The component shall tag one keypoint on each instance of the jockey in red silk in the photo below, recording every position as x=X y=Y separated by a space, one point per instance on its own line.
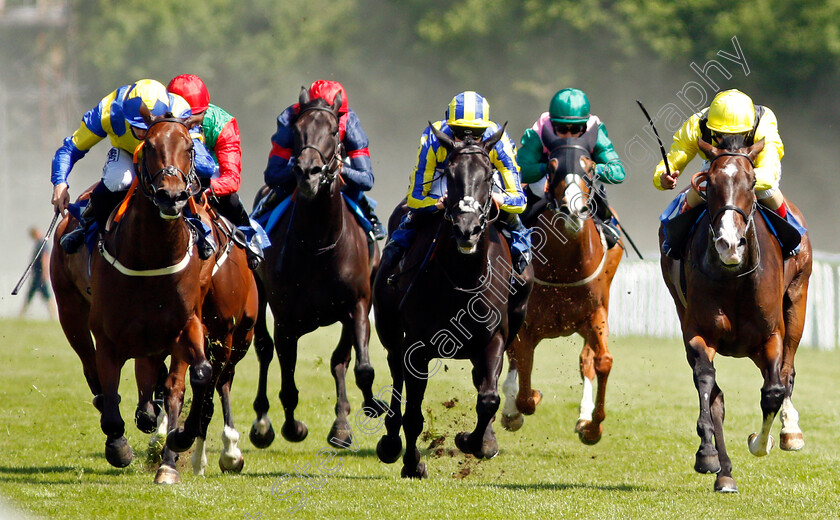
x=117 y=117
x=468 y=115
x=220 y=134
x=357 y=171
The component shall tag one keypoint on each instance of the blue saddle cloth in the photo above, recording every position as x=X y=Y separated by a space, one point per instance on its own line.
x=270 y=219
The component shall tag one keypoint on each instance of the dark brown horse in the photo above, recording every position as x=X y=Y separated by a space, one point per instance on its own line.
x=455 y=297
x=573 y=270
x=144 y=296
x=736 y=296
x=317 y=272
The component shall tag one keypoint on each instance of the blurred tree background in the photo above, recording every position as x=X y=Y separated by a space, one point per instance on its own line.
x=402 y=61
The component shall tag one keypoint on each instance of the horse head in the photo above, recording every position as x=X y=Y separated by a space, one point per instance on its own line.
x=317 y=144
x=469 y=181
x=570 y=180
x=730 y=185
x=167 y=171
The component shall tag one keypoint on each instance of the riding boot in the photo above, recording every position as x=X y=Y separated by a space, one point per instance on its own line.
x=72 y=241
x=379 y=231
x=520 y=241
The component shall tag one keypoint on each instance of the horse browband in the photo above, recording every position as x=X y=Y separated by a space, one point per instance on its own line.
x=733 y=154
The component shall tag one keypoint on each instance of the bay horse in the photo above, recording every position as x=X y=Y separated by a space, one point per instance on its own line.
x=736 y=296
x=317 y=272
x=143 y=297
x=456 y=297
x=573 y=271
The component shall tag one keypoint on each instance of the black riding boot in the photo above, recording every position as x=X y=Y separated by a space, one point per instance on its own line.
x=72 y=241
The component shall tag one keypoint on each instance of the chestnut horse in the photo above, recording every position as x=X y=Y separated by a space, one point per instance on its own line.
x=573 y=272
x=317 y=272
x=736 y=296
x=144 y=295
x=457 y=297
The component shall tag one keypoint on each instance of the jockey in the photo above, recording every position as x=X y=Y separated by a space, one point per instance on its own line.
x=468 y=114
x=569 y=116
x=731 y=112
x=356 y=169
x=219 y=132
x=117 y=117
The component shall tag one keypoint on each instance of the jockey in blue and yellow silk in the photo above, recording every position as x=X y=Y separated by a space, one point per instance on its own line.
x=357 y=171
x=117 y=117
x=467 y=114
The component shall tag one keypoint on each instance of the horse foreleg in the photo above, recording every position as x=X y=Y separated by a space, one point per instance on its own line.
x=512 y=419
x=173 y=397
x=231 y=458
x=146 y=372
x=772 y=393
x=595 y=359
x=190 y=349
x=723 y=482
x=389 y=447
x=109 y=364
x=262 y=433
x=292 y=430
x=700 y=356
x=364 y=370
x=481 y=442
x=523 y=351
x=220 y=352
x=415 y=389
x=340 y=434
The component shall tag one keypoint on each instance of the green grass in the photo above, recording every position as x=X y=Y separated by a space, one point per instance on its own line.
x=54 y=465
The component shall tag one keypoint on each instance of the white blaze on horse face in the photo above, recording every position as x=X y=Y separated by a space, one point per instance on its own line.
x=575 y=199
x=469 y=205
x=728 y=243
x=587 y=404
x=730 y=170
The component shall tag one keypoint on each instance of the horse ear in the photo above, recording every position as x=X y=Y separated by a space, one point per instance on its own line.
x=146 y=115
x=336 y=106
x=194 y=120
x=444 y=139
x=755 y=149
x=491 y=141
x=709 y=150
x=304 y=96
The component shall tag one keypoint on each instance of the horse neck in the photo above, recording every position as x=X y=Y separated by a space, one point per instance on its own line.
x=146 y=238
x=319 y=222
x=570 y=244
x=464 y=270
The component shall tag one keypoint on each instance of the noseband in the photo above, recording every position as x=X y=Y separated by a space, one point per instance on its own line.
x=483 y=211
x=331 y=164
x=193 y=185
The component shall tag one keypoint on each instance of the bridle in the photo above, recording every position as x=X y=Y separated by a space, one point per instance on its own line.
x=748 y=218
x=193 y=185
x=587 y=177
x=330 y=165
x=472 y=204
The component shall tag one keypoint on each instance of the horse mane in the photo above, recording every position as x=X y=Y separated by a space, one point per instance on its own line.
x=732 y=142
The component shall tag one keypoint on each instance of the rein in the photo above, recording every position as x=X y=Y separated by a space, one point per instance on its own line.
x=331 y=165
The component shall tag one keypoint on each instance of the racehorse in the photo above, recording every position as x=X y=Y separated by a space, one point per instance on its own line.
x=456 y=296
x=317 y=272
x=573 y=271
x=144 y=295
x=736 y=296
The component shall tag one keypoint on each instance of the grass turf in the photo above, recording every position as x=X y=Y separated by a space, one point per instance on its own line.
x=642 y=468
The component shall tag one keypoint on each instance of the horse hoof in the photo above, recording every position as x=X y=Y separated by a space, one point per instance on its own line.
x=376 y=409
x=167 y=475
x=118 y=453
x=707 y=463
x=389 y=449
x=227 y=467
x=588 y=433
x=462 y=442
x=791 y=441
x=756 y=449
x=178 y=440
x=513 y=423
x=725 y=485
x=489 y=449
x=261 y=439
x=145 y=423
x=418 y=472
x=340 y=436
x=294 y=432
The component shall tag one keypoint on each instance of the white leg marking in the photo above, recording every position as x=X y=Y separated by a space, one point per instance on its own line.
x=158 y=437
x=761 y=443
x=199 y=457
x=231 y=454
x=587 y=404
x=261 y=425
x=789 y=417
x=510 y=387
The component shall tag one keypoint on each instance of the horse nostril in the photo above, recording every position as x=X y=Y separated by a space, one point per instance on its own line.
x=161 y=197
x=182 y=196
x=476 y=230
x=742 y=242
